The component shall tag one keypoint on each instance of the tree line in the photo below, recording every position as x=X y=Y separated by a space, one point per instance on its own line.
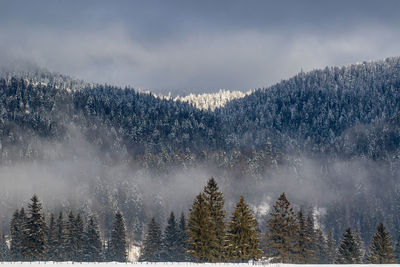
x=70 y=239
x=204 y=236
x=290 y=237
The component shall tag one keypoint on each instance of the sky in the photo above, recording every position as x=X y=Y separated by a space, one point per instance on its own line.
x=187 y=46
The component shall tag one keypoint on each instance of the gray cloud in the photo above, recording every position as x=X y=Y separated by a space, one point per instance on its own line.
x=188 y=46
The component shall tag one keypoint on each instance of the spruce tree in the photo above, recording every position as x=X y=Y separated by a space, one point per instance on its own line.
x=312 y=245
x=4 y=251
x=61 y=239
x=201 y=242
x=71 y=242
x=52 y=240
x=152 y=246
x=304 y=240
x=93 y=246
x=170 y=240
x=36 y=232
x=331 y=249
x=243 y=239
x=348 y=251
x=397 y=250
x=16 y=237
x=118 y=244
x=381 y=251
x=214 y=200
x=321 y=247
x=181 y=254
x=80 y=238
x=281 y=234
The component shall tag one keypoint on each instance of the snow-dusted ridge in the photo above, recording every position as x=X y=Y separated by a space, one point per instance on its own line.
x=208 y=101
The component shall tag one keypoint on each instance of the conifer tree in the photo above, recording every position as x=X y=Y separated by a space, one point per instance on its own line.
x=170 y=240
x=348 y=250
x=71 y=242
x=282 y=230
x=243 y=239
x=61 y=239
x=181 y=254
x=118 y=243
x=312 y=246
x=201 y=242
x=52 y=240
x=4 y=251
x=79 y=229
x=381 y=251
x=151 y=250
x=214 y=200
x=331 y=249
x=36 y=232
x=16 y=237
x=321 y=247
x=93 y=246
x=304 y=240
x=360 y=243
x=397 y=250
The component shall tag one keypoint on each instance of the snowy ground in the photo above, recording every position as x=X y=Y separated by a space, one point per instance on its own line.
x=172 y=264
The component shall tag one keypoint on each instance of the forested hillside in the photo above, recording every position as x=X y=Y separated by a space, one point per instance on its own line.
x=330 y=138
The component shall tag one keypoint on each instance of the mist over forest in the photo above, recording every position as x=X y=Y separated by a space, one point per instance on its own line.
x=328 y=138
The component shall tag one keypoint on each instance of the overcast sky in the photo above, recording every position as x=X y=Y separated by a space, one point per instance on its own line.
x=202 y=45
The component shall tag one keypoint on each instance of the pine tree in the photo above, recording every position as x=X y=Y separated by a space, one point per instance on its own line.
x=181 y=254
x=348 y=250
x=304 y=240
x=4 y=251
x=151 y=250
x=79 y=229
x=214 y=200
x=170 y=240
x=36 y=232
x=118 y=243
x=381 y=250
x=321 y=247
x=331 y=249
x=312 y=246
x=52 y=240
x=282 y=230
x=16 y=237
x=201 y=241
x=71 y=242
x=397 y=250
x=360 y=244
x=243 y=239
x=61 y=239
x=93 y=246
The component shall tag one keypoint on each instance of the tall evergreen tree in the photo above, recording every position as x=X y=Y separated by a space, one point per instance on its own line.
x=52 y=239
x=36 y=232
x=214 y=200
x=93 y=246
x=170 y=240
x=397 y=250
x=331 y=249
x=243 y=238
x=61 y=239
x=201 y=242
x=304 y=240
x=71 y=242
x=118 y=244
x=348 y=251
x=381 y=251
x=16 y=229
x=181 y=254
x=152 y=246
x=79 y=229
x=4 y=251
x=321 y=247
x=281 y=233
